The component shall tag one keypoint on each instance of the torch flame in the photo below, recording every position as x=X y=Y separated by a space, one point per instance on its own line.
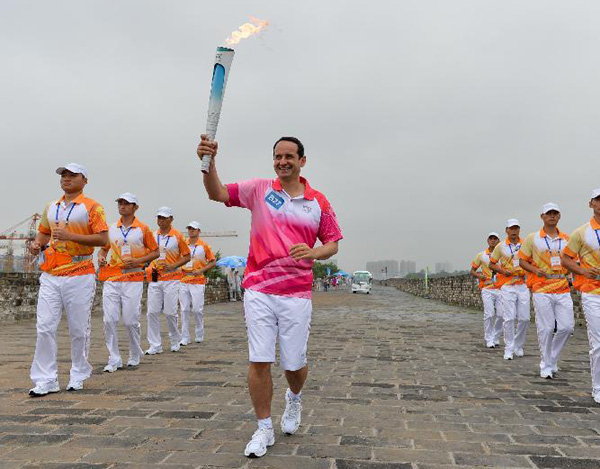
x=246 y=30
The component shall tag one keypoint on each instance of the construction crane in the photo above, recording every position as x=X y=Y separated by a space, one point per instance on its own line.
x=11 y=234
x=218 y=234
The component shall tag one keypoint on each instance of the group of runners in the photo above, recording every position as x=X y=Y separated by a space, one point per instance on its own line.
x=288 y=217
x=70 y=227
x=546 y=263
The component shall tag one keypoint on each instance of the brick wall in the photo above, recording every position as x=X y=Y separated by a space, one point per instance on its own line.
x=460 y=290
x=18 y=295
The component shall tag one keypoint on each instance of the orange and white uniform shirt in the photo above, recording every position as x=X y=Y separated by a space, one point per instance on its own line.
x=83 y=216
x=482 y=261
x=585 y=244
x=201 y=255
x=172 y=247
x=506 y=255
x=544 y=253
x=135 y=241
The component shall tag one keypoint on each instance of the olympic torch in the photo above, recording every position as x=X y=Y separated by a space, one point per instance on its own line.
x=221 y=68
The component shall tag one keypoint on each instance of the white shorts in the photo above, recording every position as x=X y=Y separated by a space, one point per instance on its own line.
x=269 y=316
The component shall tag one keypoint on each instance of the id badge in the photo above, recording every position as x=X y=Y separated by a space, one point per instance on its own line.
x=515 y=263
x=555 y=262
x=162 y=253
x=125 y=250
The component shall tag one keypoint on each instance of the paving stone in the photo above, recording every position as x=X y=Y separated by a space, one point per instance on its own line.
x=349 y=464
x=545 y=462
x=490 y=460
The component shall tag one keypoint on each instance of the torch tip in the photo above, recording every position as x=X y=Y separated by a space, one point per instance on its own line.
x=224 y=49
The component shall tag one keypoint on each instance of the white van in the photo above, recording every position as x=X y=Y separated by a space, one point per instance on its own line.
x=362 y=281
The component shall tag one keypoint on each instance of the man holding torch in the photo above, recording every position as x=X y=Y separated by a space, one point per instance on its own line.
x=288 y=216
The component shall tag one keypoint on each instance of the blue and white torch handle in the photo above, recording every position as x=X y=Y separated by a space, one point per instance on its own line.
x=223 y=61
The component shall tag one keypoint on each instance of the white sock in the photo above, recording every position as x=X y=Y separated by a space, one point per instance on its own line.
x=265 y=424
x=294 y=396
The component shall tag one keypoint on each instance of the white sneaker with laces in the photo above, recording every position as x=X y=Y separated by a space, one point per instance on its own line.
x=175 y=347
x=261 y=440
x=75 y=386
x=41 y=389
x=133 y=361
x=291 y=418
x=508 y=356
x=154 y=350
x=519 y=352
x=112 y=368
x=546 y=374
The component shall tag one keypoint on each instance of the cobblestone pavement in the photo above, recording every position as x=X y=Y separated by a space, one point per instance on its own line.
x=396 y=382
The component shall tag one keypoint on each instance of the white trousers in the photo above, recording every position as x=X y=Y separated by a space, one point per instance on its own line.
x=591 y=309
x=122 y=299
x=191 y=300
x=493 y=320
x=515 y=308
x=549 y=308
x=75 y=296
x=163 y=298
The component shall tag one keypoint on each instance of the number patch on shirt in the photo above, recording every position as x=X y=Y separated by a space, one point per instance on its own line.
x=274 y=200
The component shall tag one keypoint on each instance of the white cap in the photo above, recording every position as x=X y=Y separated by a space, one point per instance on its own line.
x=550 y=206
x=193 y=224
x=129 y=197
x=164 y=212
x=595 y=193
x=512 y=222
x=74 y=168
x=493 y=233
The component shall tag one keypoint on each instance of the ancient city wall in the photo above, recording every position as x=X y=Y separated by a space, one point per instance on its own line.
x=459 y=290
x=18 y=295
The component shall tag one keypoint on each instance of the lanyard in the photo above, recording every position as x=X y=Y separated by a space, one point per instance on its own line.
x=166 y=242
x=125 y=233
x=512 y=253
x=597 y=237
x=560 y=243
x=73 y=206
x=194 y=252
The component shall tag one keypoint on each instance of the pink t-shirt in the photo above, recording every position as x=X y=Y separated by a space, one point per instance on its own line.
x=278 y=222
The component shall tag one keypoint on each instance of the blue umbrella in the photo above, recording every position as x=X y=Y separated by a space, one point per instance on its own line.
x=232 y=261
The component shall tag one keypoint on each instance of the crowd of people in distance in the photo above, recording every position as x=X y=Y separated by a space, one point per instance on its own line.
x=543 y=267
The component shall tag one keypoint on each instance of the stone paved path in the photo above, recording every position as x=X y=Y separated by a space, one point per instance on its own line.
x=396 y=382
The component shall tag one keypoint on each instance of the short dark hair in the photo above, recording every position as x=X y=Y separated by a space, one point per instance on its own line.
x=293 y=140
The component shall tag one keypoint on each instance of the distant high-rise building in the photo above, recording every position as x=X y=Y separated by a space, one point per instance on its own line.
x=407 y=267
x=383 y=269
x=441 y=267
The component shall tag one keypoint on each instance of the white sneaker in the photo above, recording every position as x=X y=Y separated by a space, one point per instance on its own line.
x=508 y=356
x=41 y=389
x=291 y=418
x=261 y=440
x=596 y=396
x=199 y=340
x=490 y=345
x=133 y=361
x=184 y=342
x=112 y=368
x=75 y=386
x=175 y=347
x=519 y=352
x=546 y=374
x=154 y=350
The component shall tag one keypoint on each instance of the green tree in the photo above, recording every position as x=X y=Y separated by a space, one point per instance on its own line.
x=216 y=272
x=320 y=269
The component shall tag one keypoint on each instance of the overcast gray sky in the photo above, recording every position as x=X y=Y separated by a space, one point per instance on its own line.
x=426 y=123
